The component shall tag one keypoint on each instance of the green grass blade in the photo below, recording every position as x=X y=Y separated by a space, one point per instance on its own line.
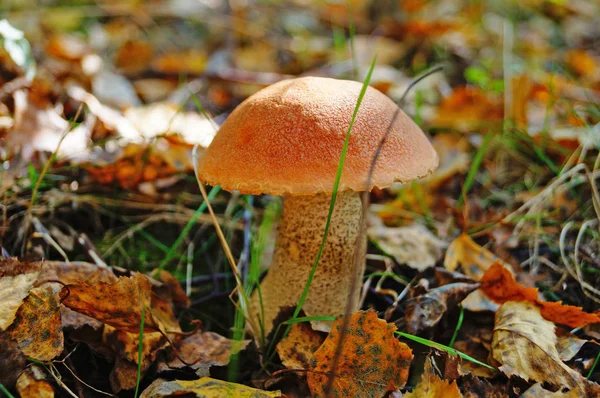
x=172 y=251
x=477 y=159
x=444 y=348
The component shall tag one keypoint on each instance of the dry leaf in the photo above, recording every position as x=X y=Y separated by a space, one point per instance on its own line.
x=468 y=108
x=12 y=360
x=117 y=304
x=40 y=129
x=202 y=350
x=32 y=384
x=499 y=285
x=473 y=258
x=475 y=387
x=134 y=56
x=204 y=388
x=13 y=290
x=124 y=375
x=538 y=391
x=297 y=348
x=37 y=327
x=187 y=62
x=432 y=386
x=426 y=311
x=520 y=328
x=413 y=245
x=568 y=345
x=372 y=361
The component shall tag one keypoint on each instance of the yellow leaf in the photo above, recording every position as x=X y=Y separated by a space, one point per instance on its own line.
x=473 y=258
x=205 y=388
x=432 y=386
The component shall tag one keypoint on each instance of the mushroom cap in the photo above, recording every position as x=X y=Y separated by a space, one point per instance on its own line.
x=288 y=138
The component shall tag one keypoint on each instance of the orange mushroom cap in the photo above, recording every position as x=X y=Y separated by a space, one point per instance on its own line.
x=288 y=137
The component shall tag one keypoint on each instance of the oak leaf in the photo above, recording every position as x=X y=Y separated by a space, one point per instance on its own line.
x=205 y=388
x=371 y=363
x=500 y=286
x=432 y=386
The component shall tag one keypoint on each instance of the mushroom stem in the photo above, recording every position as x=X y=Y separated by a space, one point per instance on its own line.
x=299 y=236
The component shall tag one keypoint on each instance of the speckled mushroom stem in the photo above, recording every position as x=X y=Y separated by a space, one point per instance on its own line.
x=299 y=237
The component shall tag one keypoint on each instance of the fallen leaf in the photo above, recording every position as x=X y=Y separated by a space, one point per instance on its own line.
x=371 y=363
x=13 y=290
x=468 y=108
x=476 y=387
x=500 y=286
x=204 y=388
x=32 y=384
x=176 y=294
x=425 y=311
x=186 y=62
x=538 y=391
x=37 y=327
x=568 y=345
x=473 y=258
x=432 y=386
x=202 y=350
x=297 y=348
x=124 y=375
x=134 y=56
x=119 y=304
x=12 y=360
x=41 y=128
x=413 y=245
x=520 y=328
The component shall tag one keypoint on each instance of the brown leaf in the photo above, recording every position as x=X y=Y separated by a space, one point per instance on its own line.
x=520 y=328
x=37 y=327
x=475 y=387
x=204 y=388
x=432 y=386
x=124 y=375
x=118 y=304
x=12 y=360
x=499 y=285
x=32 y=384
x=126 y=345
x=372 y=361
x=176 y=293
x=202 y=350
x=425 y=311
x=297 y=348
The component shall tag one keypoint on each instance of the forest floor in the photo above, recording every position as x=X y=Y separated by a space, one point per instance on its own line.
x=481 y=279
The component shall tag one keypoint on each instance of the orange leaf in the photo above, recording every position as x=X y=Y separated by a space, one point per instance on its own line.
x=117 y=304
x=499 y=285
x=372 y=361
x=432 y=386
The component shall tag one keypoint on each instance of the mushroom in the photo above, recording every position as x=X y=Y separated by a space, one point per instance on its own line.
x=287 y=140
